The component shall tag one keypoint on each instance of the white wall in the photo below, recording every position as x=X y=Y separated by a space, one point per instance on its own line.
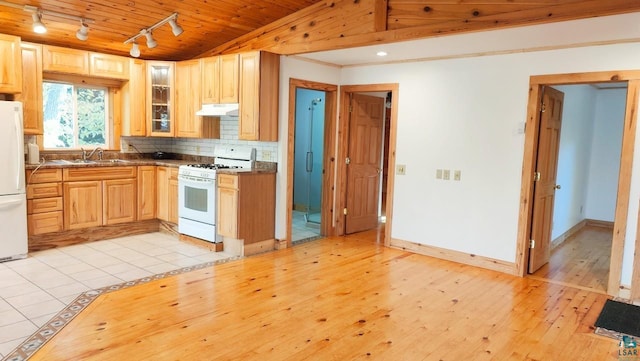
x=464 y=114
x=574 y=156
x=605 y=154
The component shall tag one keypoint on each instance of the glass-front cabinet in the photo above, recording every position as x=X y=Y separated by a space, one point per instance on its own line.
x=160 y=98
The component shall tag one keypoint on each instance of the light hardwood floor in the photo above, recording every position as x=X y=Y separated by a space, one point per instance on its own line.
x=343 y=298
x=582 y=260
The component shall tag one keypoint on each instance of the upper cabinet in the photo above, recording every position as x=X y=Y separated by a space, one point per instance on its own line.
x=10 y=64
x=188 y=87
x=31 y=96
x=160 y=99
x=108 y=66
x=65 y=60
x=220 y=79
x=259 y=85
x=80 y=62
x=134 y=108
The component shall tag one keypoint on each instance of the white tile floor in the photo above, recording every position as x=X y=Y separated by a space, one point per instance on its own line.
x=301 y=230
x=35 y=289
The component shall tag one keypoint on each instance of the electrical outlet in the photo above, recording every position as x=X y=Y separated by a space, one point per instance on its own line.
x=401 y=169
x=130 y=147
x=438 y=173
x=457 y=174
x=197 y=149
x=446 y=174
x=267 y=156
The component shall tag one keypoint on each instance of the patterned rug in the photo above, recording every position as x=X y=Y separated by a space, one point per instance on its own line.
x=59 y=321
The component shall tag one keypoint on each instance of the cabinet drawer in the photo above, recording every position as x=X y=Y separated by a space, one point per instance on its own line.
x=44 y=190
x=227 y=181
x=44 y=223
x=44 y=176
x=98 y=173
x=43 y=205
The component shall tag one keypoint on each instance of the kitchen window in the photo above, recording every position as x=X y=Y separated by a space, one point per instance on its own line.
x=75 y=115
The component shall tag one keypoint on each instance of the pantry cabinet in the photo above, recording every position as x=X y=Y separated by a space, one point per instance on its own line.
x=44 y=201
x=10 y=64
x=31 y=95
x=160 y=99
x=259 y=86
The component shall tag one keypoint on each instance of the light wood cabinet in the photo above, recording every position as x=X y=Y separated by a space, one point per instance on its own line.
x=246 y=206
x=96 y=196
x=119 y=201
x=44 y=201
x=190 y=125
x=146 y=192
x=64 y=60
x=10 y=64
x=134 y=106
x=259 y=84
x=167 y=194
x=31 y=95
x=160 y=99
x=108 y=66
x=82 y=204
x=220 y=79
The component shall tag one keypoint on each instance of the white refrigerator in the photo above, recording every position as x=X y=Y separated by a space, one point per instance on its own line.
x=13 y=199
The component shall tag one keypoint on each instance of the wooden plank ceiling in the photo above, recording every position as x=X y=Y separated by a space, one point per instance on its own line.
x=285 y=26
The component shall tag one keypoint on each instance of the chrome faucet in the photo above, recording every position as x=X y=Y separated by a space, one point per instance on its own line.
x=86 y=156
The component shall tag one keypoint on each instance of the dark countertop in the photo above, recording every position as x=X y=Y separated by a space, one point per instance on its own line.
x=58 y=163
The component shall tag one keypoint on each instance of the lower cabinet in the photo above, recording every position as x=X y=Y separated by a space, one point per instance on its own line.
x=99 y=196
x=167 y=194
x=246 y=206
x=146 y=192
x=44 y=201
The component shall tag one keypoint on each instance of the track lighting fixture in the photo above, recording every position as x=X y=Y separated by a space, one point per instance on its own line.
x=151 y=42
x=175 y=28
x=135 y=50
x=82 y=33
x=37 y=14
x=38 y=26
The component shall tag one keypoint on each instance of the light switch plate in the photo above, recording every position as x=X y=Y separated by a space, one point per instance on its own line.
x=457 y=174
x=446 y=174
x=438 y=173
x=401 y=169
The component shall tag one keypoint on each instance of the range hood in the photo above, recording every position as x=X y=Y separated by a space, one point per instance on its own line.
x=217 y=110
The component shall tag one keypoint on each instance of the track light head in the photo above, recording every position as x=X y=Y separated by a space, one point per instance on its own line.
x=135 y=50
x=38 y=26
x=175 y=28
x=151 y=43
x=82 y=33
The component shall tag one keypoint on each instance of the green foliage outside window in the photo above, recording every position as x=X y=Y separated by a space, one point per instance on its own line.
x=74 y=116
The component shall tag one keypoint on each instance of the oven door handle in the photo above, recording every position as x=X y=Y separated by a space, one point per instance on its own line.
x=187 y=178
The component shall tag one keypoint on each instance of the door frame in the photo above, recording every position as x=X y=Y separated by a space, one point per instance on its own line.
x=327 y=227
x=624 y=180
x=343 y=145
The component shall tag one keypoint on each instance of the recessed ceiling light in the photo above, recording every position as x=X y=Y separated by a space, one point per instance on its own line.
x=381 y=53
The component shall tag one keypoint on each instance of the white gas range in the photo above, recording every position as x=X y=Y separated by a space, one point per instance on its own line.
x=197 y=190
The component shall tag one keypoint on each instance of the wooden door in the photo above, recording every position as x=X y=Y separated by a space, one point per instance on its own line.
x=135 y=108
x=545 y=177
x=249 y=93
x=210 y=79
x=162 y=193
x=229 y=78
x=172 y=202
x=365 y=157
x=227 y=206
x=10 y=64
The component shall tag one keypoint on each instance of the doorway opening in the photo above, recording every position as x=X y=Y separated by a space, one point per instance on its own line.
x=307 y=166
x=581 y=197
x=310 y=160
x=528 y=246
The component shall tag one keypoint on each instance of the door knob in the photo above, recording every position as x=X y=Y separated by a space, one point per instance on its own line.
x=557 y=186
